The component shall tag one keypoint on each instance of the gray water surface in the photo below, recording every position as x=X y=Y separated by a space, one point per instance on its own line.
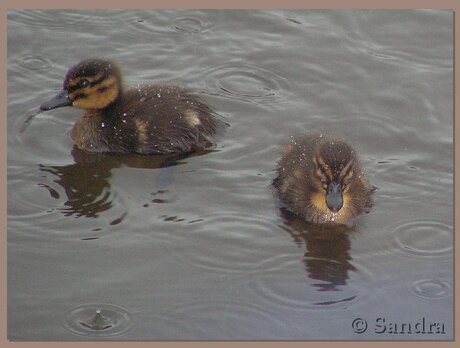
x=198 y=248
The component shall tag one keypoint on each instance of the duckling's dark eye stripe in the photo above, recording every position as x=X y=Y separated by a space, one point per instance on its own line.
x=83 y=83
x=97 y=88
x=79 y=96
x=77 y=82
x=99 y=80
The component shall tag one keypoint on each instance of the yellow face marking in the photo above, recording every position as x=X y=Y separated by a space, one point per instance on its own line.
x=318 y=200
x=345 y=169
x=97 y=96
x=346 y=201
x=346 y=175
x=192 y=118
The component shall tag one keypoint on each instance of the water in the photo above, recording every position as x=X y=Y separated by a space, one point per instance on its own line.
x=150 y=248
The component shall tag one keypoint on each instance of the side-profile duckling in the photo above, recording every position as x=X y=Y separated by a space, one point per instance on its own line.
x=320 y=180
x=147 y=119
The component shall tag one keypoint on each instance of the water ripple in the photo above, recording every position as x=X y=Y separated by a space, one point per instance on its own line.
x=402 y=179
x=30 y=199
x=221 y=252
x=249 y=83
x=191 y=25
x=228 y=319
x=431 y=288
x=36 y=63
x=426 y=238
x=163 y=22
x=65 y=19
x=98 y=320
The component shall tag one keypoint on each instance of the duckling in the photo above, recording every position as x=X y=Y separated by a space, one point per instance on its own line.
x=148 y=119
x=320 y=179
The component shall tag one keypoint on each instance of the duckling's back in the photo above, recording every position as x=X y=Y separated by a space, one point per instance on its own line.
x=168 y=119
x=149 y=119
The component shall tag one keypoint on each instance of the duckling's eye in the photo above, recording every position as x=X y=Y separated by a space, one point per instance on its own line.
x=84 y=83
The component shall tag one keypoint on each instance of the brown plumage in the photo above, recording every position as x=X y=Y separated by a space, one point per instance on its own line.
x=320 y=179
x=147 y=119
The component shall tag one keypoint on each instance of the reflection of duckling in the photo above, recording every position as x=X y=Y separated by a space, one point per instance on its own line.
x=86 y=183
x=327 y=257
x=148 y=119
x=320 y=179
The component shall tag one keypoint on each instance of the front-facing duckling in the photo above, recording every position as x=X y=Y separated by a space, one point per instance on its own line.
x=148 y=119
x=320 y=179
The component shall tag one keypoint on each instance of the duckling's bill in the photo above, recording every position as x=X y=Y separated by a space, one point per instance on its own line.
x=334 y=199
x=58 y=101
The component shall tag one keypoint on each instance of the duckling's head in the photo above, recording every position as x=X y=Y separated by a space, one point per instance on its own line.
x=91 y=84
x=336 y=175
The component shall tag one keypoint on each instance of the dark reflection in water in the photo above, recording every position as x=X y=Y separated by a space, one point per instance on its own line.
x=327 y=257
x=87 y=181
